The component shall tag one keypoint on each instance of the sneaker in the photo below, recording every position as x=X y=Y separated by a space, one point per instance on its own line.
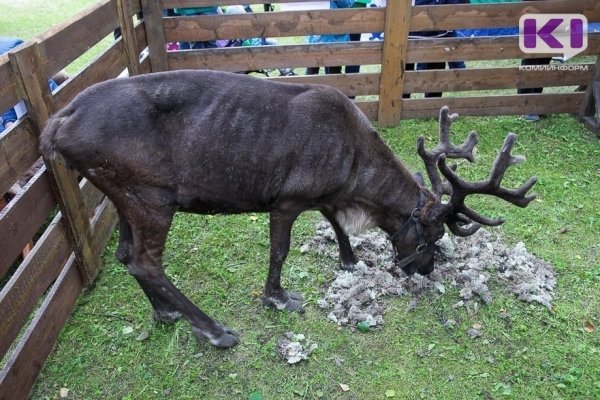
x=286 y=72
x=531 y=117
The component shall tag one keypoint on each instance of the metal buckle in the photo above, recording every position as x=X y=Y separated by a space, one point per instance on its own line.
x=421 y=248
x=415 y=214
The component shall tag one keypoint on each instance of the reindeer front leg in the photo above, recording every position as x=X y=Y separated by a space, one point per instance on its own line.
x=281 y=222
x=347 y=257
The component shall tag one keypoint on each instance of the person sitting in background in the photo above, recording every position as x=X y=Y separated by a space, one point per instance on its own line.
x=250 y=42
x=188 y=11
x=435 y=34
x=236 y=10
x=355 y=37
x=10 y=116
x=344 y=37
x=533 y=61
x=377 y=3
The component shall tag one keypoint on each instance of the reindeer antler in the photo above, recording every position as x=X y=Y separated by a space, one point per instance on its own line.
x=459 y=218
x=446 y=148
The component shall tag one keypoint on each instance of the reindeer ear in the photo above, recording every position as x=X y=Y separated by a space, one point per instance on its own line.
x=434 y=211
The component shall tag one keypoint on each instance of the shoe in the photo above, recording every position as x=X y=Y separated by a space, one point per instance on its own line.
x=531 y=117
x=286 y=72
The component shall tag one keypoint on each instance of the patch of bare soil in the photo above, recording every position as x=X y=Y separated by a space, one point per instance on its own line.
x=470 y=264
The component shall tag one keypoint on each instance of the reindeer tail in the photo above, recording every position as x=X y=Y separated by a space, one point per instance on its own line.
x=47 y=144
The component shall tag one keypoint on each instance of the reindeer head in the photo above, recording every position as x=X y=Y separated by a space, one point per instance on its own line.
x=426 y=223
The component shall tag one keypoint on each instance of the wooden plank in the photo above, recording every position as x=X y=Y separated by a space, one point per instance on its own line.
x=26 y=64
x=25 y=362
x=350 y=84
x=587 y=105
x=369 y=108
x=128 y=36
x=363 y=53
x=469 y=16
x=22 y=292
x=92 y=197
x=155 y=35
x=478 y=48
x=279 y=24
x=450 y=80
x=145 y=67
x=494 y=105
x=207 y=3
x=397 y=20
x=18 y=152
x=106 y=66
x=73 y=207
x=22 y=218
x=135 y=6
x=103 y=223
x=544 y=104
x=253 y=58
x=140 y=34
x=27 y=68
x=452 y=16
x=81 y=32
x=8 y=85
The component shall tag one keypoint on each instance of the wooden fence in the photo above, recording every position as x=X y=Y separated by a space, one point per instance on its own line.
x=71 y=220
x=397 y=20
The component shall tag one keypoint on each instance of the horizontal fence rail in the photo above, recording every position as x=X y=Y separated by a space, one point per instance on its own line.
x=64 y=222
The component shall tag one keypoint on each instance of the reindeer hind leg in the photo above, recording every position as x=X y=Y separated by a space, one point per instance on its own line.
x=149 y=231
x=162 y=312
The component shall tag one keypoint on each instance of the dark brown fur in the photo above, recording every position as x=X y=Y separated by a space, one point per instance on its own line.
x=213 y=142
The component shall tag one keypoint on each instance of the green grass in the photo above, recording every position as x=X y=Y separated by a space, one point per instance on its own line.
x=221 y=264
x=27 y=18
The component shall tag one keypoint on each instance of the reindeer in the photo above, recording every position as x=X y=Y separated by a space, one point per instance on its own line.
x=218 y=143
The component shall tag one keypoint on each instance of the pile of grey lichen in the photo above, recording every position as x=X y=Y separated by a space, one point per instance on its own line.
x=468 y=264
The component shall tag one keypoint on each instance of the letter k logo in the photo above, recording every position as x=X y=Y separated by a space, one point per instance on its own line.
x=545 y=33
x=564 y=34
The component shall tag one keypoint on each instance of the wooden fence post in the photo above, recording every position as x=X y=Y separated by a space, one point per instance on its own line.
x=155 y=35
x=128 y=37
x=33 y=83
x=590 y=106
x=395 y=44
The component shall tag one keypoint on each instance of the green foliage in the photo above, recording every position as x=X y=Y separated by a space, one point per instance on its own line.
x=525 y=351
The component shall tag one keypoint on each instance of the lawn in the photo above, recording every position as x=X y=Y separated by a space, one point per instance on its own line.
x=221 y=264
x=111 y=348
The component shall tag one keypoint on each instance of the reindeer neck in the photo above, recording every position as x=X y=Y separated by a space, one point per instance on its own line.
x=386 y=191
x=400 y=194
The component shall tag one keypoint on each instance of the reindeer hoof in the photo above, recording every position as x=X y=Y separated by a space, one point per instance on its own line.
x=227 y=337
x=348 y=262
x=288 y=301
x=347 y=266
